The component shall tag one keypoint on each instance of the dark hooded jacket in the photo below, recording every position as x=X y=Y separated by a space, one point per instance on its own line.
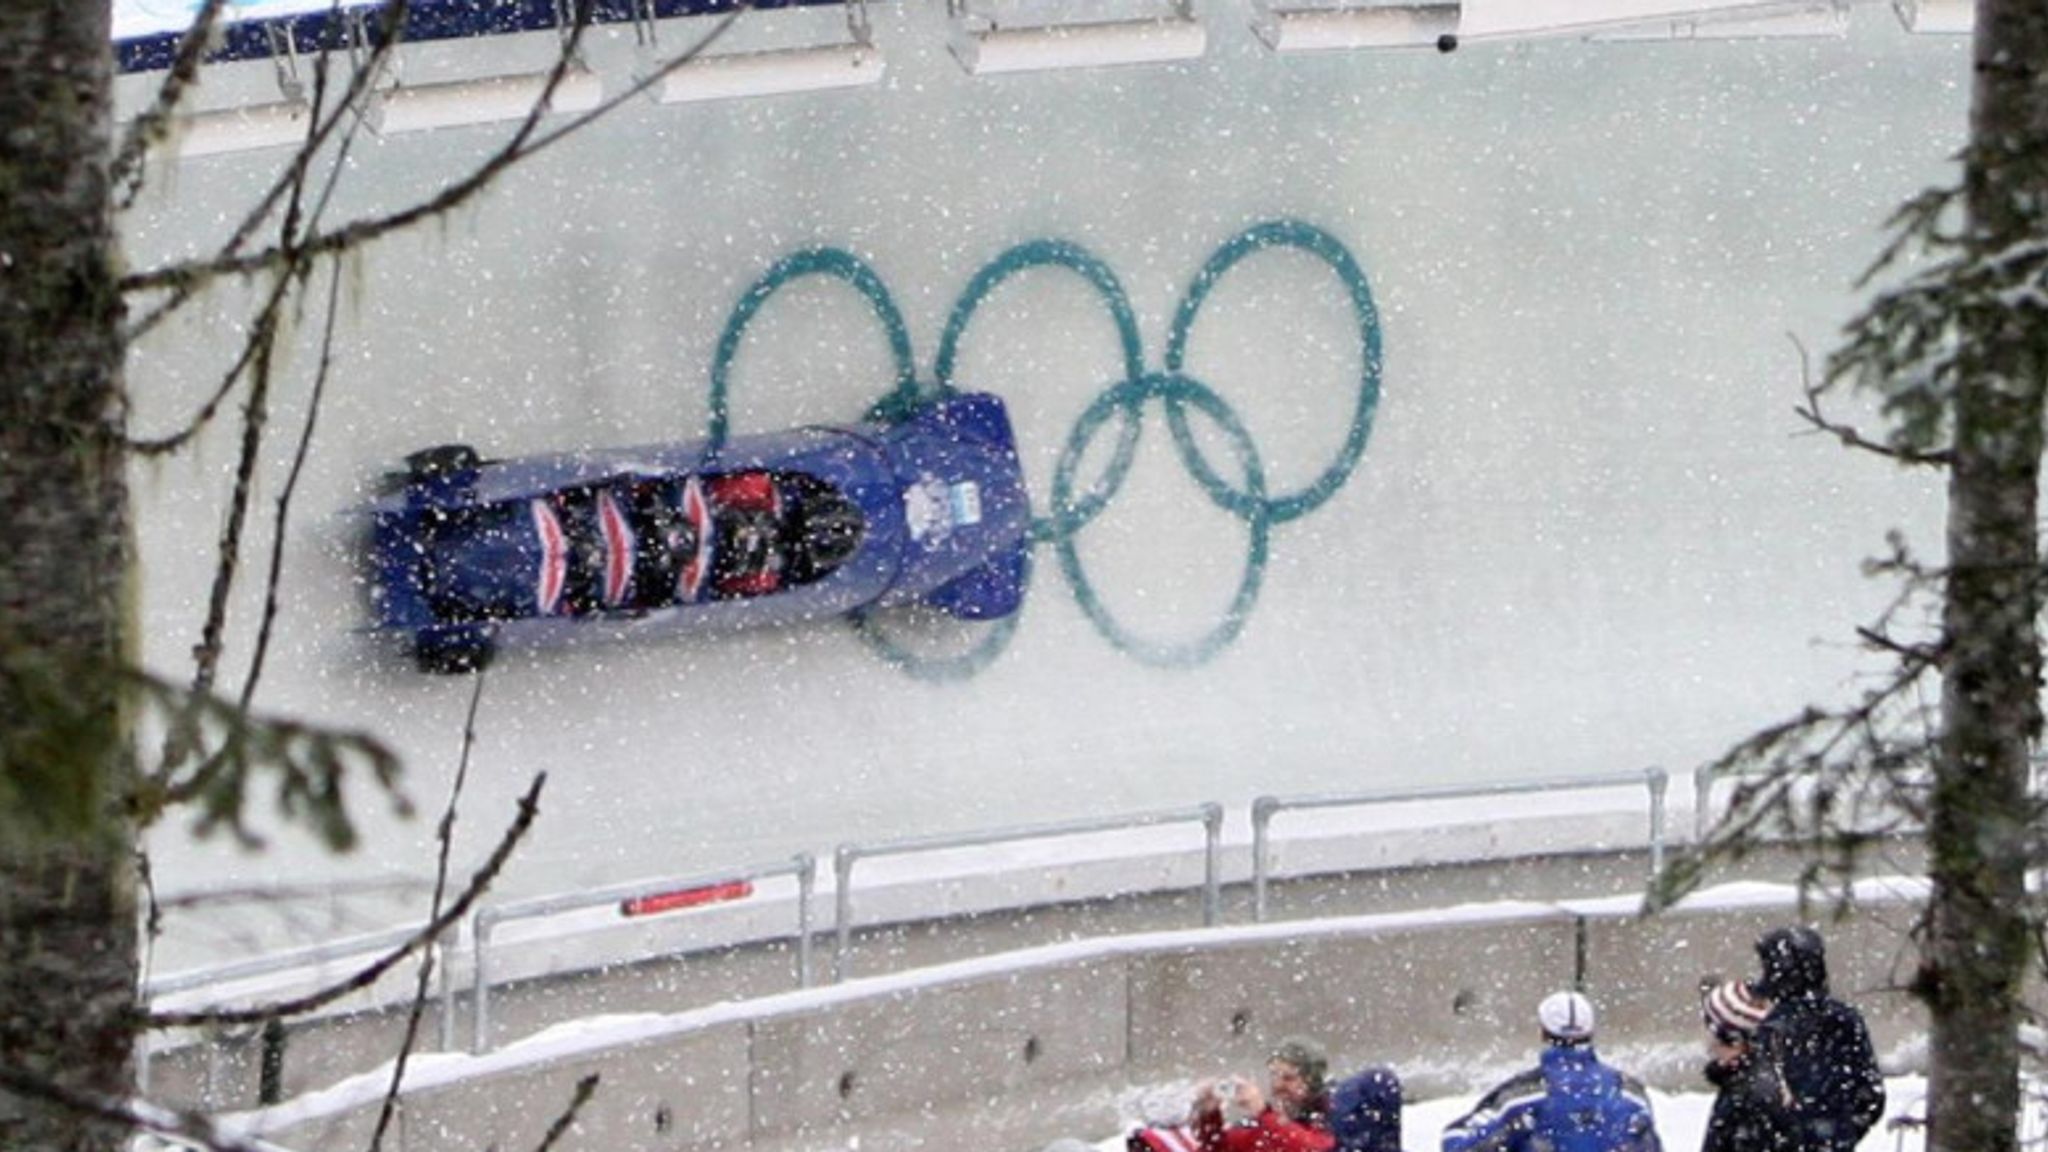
x=1365 y=1112
x=1749 y=1113
x=1817 y=1046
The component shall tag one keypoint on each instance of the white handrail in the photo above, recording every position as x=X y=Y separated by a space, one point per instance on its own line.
x=843 y=860
x=1264 y=808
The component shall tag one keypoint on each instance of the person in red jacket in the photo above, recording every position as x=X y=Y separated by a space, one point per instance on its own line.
x=1291 y=1114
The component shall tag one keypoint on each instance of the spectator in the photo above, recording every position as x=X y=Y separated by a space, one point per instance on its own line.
x=1749 y=1111
x=1235 y=1115
x=1817 y=1046
x=1365 y=1112
x=1570 y=1102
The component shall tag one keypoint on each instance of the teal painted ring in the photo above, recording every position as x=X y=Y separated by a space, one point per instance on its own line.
x=1320 y=244
x=1128 y=397
x=939 y=669
x=838 y=264
x=1085 y=264
x=1069 y=513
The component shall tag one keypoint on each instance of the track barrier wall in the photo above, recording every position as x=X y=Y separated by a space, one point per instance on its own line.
x=655 y=896
x=1009 y=1052
x=580 y=937
x=534 y=964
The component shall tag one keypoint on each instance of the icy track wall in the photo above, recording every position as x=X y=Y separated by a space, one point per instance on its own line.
x=1430 y=417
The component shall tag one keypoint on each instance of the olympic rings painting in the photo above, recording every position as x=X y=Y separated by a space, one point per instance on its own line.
x=1180 y=393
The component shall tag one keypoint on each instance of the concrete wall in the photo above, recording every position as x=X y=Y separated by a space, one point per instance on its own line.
x=1645 y=975
x=1407 y=993
x=700 y=961
x=1010 y=1052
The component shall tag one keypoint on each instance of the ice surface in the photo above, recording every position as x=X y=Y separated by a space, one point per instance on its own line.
x=1582 y=535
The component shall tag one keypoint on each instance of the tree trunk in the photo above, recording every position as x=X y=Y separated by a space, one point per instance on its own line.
x=1991 y=715
x=67 y=904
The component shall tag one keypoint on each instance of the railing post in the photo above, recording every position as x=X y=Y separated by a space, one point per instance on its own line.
x=480 y=991
x=1658 y=780
x=440 y=959
x=1212 y=864
x=1262 y=814
x=270 y=1063
x=806 y=881
x=842 y=910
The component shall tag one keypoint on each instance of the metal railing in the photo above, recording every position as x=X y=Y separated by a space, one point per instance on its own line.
x=1767 y=780
x=300 y=959
x=847 y=855
x=803 y=866
x=488 y=919
x=1265 y=807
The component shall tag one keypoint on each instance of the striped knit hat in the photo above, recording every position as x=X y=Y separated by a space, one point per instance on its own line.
x=1731 y=1007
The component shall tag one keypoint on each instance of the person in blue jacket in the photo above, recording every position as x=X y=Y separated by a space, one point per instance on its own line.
x=1365 y=1112
x=1570 y=1102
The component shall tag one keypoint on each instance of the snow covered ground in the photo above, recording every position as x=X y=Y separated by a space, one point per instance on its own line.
x=1681 y=1119
x=1681 y=1116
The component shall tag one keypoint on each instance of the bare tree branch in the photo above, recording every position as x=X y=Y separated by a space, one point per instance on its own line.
x=257 y=356
x=585 y=1089
x=480 y=881
x=445 y=834
x=322 y=123
x=154 y=122
x=526 y=141
x=285 y=893
x=284 y=497
x=189 y=1127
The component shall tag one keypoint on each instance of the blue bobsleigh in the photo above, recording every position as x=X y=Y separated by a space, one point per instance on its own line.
x=818 y=521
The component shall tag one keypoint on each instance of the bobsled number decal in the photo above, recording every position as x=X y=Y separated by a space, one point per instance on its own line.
x=554 y=557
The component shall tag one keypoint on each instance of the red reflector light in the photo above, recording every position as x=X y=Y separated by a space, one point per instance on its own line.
x=686 y=898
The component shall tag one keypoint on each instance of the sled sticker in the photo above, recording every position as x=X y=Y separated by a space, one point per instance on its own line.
x=934 y=508
x=926 y=512
x=966 y=501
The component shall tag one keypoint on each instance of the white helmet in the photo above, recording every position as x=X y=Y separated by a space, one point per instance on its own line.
x=1566 y=1016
